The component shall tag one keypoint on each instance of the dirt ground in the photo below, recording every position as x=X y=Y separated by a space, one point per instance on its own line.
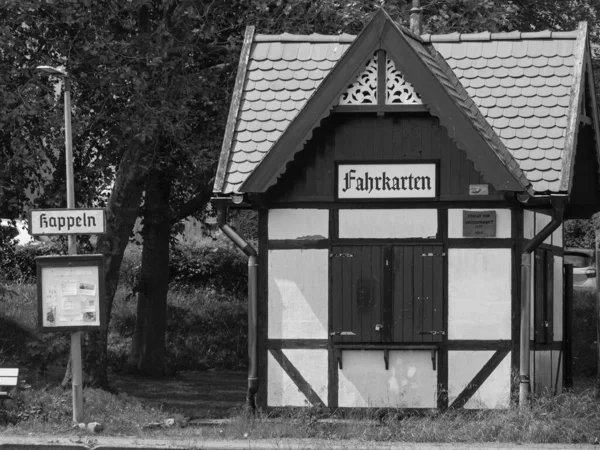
x=206 y=395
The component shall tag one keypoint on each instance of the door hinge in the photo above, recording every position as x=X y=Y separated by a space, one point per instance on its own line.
x=341 y=255
x=432 y=254
x=433 y=332
x=342 y=333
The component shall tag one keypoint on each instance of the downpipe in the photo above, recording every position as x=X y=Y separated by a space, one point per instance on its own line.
x=222 y=210
x=526 y=257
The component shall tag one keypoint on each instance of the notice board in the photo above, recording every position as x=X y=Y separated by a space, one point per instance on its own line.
x=71 y=292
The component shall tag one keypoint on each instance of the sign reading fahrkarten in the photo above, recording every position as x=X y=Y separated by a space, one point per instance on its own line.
x=67 y=221
x=394 y=180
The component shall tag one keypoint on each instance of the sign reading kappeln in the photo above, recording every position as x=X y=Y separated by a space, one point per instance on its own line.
x=67 y=221
x=394 y=180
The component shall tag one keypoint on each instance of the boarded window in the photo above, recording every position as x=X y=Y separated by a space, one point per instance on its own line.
x=388 y=294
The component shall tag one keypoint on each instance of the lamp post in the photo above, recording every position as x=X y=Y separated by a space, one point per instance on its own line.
x=76 y=370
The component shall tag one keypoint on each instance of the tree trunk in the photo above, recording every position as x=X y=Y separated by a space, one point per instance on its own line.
x=121 y=213
x=148 y=345
x=596 y=222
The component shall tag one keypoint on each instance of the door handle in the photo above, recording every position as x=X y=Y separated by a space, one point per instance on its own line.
x=378 y=326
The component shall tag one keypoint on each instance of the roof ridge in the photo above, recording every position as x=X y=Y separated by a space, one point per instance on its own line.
x=315 y=37
x=449 y=37
x=512 y=35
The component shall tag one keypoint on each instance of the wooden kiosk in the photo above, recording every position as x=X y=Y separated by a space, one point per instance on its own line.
x=411 y=193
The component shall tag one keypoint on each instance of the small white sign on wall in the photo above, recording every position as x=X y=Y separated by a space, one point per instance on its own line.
x=386 y=181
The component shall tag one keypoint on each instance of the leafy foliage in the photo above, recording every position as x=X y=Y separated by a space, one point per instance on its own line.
x=579 y=233
x=219 y=268
x=18 y=262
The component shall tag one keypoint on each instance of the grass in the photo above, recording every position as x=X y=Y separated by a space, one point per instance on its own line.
x=566 y=418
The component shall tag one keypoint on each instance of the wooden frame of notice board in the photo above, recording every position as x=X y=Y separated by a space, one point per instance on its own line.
x=70 y=292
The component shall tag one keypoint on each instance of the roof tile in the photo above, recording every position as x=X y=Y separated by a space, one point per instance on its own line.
x=530 y=144
x=290 y=51
x=534 y=48
x=504 y=49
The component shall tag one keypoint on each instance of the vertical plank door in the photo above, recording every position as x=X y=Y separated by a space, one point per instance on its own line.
x=418 y=293
x=357 y=292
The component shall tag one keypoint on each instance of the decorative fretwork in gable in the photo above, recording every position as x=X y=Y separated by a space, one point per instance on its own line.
x=368 y=89
x=364 y=90
x=397 y=89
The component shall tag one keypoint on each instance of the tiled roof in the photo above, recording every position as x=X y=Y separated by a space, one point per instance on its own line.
x=520 y=82
x=523 y=89
x=442 y=69
x=280 y=77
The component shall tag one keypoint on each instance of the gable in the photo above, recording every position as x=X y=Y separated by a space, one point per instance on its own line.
x=428 y=72
x=366 y=138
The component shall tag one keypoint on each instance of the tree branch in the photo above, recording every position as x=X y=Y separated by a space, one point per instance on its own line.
x=195 y=203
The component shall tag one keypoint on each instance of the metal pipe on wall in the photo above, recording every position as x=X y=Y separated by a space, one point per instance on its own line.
x=222 y=209
x=524 y=348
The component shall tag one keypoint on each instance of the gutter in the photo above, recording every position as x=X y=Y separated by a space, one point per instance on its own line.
x=558 y=204
x=221 y=205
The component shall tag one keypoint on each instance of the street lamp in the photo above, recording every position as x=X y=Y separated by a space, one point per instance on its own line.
x=76 y=370
x=68 y=144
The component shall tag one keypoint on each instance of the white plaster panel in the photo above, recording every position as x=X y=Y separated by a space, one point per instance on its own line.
x=312 y=365
x=541 y=220
x=298 y=224
x=455 y=222
x=528 y=224
x=298 y=294
x=557 y=312
x=479 y=293
x=493 y=393
x=532 y=371
x=410 y=381
x=388 y=223
x=557 y=237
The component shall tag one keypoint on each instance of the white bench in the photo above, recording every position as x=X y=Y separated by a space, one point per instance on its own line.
x=8 y=380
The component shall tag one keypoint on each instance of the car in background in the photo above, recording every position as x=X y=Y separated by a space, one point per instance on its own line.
x=17 y=232
x=584 y=268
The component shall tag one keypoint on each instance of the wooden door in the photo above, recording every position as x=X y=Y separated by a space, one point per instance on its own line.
x=417 y=294
x=357 y=293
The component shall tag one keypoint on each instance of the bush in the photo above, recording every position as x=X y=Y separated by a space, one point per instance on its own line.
x=219 y=268
x=206 y=330
x=18 y=261
x=585 y=358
